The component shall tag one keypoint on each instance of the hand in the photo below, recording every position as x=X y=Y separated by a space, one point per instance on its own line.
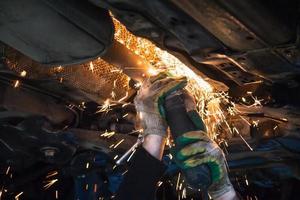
x=197 y=149
x=149 y=102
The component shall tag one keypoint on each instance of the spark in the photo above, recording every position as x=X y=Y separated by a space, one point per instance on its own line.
x=137 y=85
x=131 y=155
x=16 y=84
x=50 y=183
x=176 y=67
x=116 y=145
x=243 y=118
x=105 y=107
x=214 y=107
x=125 y=115
x=152 y=71
x=7 y=170
x=1 y=192
x=178 y=179
x=209 y=196
x=235 y=129
x=140 y=130
x=159 y=183
x=56 y=194
x=257 y=102
x=117 y=70
x=226 y=143
x=125 y=104
x=58 y=69
x=121 y=41
x=87 y=165
x=91 y=66
x=51 y=174
x=208 y=101
x=183 y=193
x=284 y=119
x=116 y=157
x=255 y=123
x=113 y=94
x=123 y=98
x=124 y=172
x=107 y=134
x=180 y=186
x=23 y=73
x=254 y=82
x=169 y=142
x=18 y=195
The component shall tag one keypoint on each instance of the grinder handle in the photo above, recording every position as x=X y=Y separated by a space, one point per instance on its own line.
x=180 y=123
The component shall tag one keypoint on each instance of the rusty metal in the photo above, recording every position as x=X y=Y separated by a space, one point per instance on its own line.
x=93 y=84
x=131 y=64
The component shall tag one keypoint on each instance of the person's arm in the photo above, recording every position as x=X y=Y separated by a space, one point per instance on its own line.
x=146 y=167
x=230 y=195
x=154 y=145
x=145 y=171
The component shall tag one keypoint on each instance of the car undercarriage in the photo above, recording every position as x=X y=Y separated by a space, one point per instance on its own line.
x=70 y=69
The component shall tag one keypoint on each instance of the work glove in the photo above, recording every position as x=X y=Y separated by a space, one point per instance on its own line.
x=195 y=148
x=150 y=99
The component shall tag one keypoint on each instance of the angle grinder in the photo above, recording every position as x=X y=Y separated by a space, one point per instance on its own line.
x=182 y=121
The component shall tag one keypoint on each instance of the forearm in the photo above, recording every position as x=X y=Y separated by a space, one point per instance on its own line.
x=145 y=170
x=154 y=145
x=143 y=174
x=230 y=195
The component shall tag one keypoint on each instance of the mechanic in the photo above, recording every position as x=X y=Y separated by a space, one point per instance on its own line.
x=196 y=148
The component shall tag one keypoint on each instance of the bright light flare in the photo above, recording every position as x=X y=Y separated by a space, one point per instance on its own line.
x=16 y=83
x=163 y=61
x=105 y=107
x=108 y=134
x=18 y=195
x=152 y=71
x=215 y=108
x=50 y=183
x=91 y=66
x=23 y=73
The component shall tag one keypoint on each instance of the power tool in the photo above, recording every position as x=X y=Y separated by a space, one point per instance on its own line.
x=182 y=121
